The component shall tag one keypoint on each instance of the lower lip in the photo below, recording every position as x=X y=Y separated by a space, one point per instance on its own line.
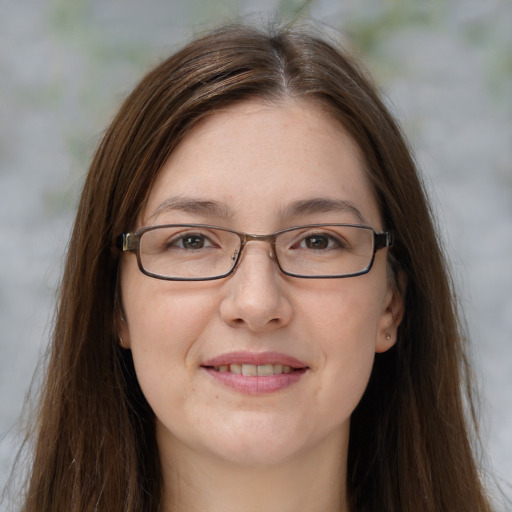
x=255 y=385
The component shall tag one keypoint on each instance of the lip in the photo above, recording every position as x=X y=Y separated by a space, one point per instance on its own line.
x=255 y=358
x=255 y=385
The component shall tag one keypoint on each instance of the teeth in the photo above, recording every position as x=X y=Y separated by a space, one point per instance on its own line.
x=253 y=370
x=235 y=368
x=249 y=370
x=265 y=369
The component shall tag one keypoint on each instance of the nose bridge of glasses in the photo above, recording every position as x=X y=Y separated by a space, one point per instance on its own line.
x=246 y=237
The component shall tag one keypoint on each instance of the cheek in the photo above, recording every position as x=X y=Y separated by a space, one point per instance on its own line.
x=164 y=324
x=165 y=333
x=345 y=314
x=160 y=311
x=344 y=328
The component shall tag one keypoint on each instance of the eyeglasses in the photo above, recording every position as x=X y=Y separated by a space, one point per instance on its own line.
x=198 y=252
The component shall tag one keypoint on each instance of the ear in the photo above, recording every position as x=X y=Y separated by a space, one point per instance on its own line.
x=392 y=313
x=123 y=332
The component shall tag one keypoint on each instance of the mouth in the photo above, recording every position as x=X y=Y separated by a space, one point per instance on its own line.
x=255 y=373
x=254 y=370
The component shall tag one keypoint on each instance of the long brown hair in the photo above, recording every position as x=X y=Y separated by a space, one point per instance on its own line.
x=410 y=445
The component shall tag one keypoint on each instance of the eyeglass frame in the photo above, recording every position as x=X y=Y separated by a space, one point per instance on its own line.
x=130 y=242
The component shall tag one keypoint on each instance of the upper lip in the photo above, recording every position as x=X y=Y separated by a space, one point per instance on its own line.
x=256 y=358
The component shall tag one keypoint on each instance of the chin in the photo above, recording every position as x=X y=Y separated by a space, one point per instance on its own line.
x=258 y=453
x=261 y=442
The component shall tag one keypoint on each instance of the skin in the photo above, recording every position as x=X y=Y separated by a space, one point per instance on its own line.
x=223 y=450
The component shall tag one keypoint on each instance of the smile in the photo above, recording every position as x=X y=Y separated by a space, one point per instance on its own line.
x=253 y=370
x=255 y=373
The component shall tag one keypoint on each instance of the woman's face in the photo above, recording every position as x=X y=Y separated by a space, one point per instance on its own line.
x=258 y=168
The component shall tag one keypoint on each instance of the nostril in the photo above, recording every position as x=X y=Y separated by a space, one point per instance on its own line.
x=256 y=323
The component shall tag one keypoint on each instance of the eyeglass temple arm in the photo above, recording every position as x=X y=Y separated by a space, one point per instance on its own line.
x=127 y=242
x=383 y=240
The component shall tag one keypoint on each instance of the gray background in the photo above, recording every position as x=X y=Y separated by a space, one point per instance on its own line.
x=445 y=68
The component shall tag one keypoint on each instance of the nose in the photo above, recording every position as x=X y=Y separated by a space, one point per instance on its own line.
x=255 y=296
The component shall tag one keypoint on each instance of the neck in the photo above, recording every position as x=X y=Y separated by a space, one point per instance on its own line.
x=307 y=482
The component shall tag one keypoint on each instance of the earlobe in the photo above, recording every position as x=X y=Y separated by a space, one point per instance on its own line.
x=393 y=312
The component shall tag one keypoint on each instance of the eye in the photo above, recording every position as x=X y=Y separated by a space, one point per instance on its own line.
x=190 y=241
x=319 y=241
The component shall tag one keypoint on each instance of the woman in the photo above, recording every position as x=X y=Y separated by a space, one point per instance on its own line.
x=255 y=311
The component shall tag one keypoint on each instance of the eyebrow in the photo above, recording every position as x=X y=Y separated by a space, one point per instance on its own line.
x=218 y=209
x=323 y=205
x=192 y=205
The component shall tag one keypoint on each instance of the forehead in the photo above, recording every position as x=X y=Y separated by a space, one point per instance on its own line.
x=254 y=160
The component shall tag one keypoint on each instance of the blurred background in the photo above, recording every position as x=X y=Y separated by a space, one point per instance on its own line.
x=445 y=68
